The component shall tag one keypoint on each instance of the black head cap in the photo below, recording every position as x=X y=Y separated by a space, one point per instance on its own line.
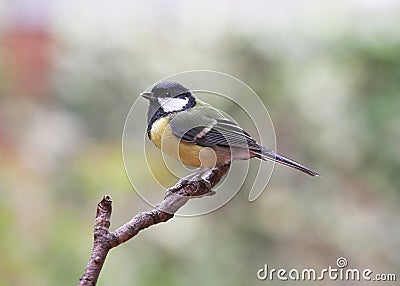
x=169 y=89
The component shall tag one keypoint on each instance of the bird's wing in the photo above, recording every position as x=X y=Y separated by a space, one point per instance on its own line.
x=206 y=126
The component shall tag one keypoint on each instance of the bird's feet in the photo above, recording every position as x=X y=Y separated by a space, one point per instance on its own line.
x=197 y=184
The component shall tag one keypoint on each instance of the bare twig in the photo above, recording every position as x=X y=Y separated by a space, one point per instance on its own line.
x=176 y=197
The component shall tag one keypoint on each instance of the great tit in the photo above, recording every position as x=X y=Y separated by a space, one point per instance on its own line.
x=198 y=134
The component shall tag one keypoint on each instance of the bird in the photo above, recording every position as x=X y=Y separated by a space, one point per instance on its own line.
x=198 y=134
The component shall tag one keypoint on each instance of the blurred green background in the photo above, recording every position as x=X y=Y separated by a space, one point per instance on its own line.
x=328 y=72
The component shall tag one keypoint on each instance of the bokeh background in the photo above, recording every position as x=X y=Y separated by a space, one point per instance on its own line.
x=328 y=72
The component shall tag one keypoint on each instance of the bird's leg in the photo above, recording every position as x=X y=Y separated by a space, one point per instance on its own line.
x=203 y=177
x=187 y=180
x=199 y=180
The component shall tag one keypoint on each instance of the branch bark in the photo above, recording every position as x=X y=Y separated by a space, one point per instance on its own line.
x=176 y=197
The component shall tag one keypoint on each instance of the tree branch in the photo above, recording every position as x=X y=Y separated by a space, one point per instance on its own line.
x=176 y=197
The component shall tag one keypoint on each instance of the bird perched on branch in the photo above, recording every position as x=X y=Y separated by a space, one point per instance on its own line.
x=198 y=134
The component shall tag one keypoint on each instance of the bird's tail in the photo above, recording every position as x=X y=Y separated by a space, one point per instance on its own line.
x=266 y=155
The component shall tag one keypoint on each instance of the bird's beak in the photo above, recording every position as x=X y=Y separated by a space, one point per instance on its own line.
x=148 y=95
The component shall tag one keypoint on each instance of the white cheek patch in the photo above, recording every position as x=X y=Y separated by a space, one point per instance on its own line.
x=173 y=104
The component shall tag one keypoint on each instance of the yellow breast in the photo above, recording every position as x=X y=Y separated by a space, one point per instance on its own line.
x=188 y=153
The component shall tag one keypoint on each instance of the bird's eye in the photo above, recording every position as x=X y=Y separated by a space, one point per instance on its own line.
x=168 y=94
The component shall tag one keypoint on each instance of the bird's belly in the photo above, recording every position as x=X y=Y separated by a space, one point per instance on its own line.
x=189 y=154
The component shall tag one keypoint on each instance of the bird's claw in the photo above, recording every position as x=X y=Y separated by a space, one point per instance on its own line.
x=198 y=182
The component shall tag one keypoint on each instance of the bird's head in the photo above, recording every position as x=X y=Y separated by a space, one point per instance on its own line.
x=170 y=97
